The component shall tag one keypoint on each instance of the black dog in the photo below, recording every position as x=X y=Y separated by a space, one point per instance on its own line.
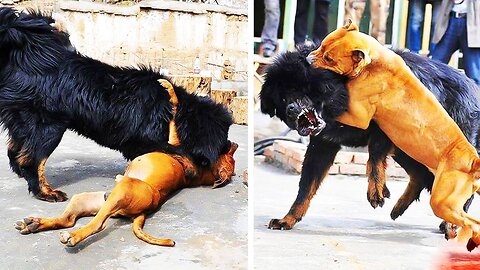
x=303 y=98
x=46 y=87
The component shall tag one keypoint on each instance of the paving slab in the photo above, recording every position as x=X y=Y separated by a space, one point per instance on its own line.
x=208 y=225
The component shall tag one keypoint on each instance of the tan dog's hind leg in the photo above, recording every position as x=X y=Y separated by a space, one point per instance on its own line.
x=451 y=189
x=142 y=235
x=81 y=205
x=172 y=136
x=129 y=197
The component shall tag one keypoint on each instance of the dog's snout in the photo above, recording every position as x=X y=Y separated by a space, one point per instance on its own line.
x=291 y=111
x=310 y=58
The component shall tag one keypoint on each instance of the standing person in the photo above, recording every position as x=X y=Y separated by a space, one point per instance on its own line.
x=320 y=25
x=458 y=27
x=270 y=27
x=379 y=10
x=416 y=16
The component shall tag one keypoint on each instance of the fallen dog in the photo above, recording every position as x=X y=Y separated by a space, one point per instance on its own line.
x=381 y=87
x=148 y=182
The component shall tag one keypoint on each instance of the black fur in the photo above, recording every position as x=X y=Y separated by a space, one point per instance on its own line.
x=46 y=87
x=291 y=77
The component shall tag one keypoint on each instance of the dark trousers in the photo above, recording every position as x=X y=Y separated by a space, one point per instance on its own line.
x=320 y=25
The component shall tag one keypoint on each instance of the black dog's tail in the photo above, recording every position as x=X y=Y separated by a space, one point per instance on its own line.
x=31 y=36
x=16 y=27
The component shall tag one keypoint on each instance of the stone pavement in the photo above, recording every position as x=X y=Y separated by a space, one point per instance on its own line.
x=209 y=226
x=341 y=230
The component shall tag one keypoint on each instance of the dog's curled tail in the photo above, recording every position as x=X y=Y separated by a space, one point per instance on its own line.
x=16 y=28
x=142 y=235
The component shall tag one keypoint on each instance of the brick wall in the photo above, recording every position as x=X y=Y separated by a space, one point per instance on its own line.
x=289 y=155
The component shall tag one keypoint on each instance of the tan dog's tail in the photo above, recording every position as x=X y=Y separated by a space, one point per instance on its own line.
x=142 y=235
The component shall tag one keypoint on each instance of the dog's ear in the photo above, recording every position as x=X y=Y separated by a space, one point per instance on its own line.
x=361 y=56
x=350 y=26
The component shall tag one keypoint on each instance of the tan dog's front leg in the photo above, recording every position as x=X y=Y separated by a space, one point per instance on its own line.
x=358 y=115
x=81 y=205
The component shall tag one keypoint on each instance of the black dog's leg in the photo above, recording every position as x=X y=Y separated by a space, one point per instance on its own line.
x=379 y=146
x=420 y=178
x=318 y=160
x=28 y=152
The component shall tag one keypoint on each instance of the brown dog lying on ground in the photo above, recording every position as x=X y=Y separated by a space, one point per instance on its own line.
x=381 y=87
x=147 y=183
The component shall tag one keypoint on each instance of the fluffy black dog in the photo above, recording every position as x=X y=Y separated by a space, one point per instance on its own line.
x=304 y=98
x=47 y=87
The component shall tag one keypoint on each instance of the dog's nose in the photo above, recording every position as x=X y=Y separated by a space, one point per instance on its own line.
x=291 y=110
x=310 y=58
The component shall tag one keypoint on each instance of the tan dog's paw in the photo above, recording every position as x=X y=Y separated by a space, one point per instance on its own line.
x=67 y=239
x=27 y=225
x=471 y=245
x=118 y=178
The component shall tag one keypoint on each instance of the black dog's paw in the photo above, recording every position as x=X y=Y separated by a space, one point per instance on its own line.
x=386 y=192
x=397 y=210
x=52 y=196
x=280 y=224
x=449 y=230
x=375 y=197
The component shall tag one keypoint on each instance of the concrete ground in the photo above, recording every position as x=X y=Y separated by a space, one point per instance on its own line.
x=341 y=230
x=209 y=226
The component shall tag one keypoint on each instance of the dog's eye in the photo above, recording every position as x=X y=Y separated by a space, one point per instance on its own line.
x=327 y=59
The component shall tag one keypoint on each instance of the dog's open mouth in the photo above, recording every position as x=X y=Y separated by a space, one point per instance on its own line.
x=309 y=123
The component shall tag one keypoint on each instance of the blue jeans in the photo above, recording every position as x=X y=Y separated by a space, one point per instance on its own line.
x=270 y=27
x=416 y=12
x=456 y=38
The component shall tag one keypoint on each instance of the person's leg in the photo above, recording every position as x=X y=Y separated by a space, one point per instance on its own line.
x=301 y=17
x=449 y=42
x=379 y=10
x=354 y=10
x=436 y=4
x=320 y=26
x=270 y=27
x=416 y=11
x=471 y=57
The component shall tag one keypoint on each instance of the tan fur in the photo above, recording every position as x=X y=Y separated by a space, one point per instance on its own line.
x=384 y=89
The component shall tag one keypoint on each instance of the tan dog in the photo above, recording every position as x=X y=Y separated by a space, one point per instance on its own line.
x=148 y=182
x=383 y=88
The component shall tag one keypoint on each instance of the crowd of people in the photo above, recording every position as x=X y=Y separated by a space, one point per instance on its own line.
x=455 y=26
